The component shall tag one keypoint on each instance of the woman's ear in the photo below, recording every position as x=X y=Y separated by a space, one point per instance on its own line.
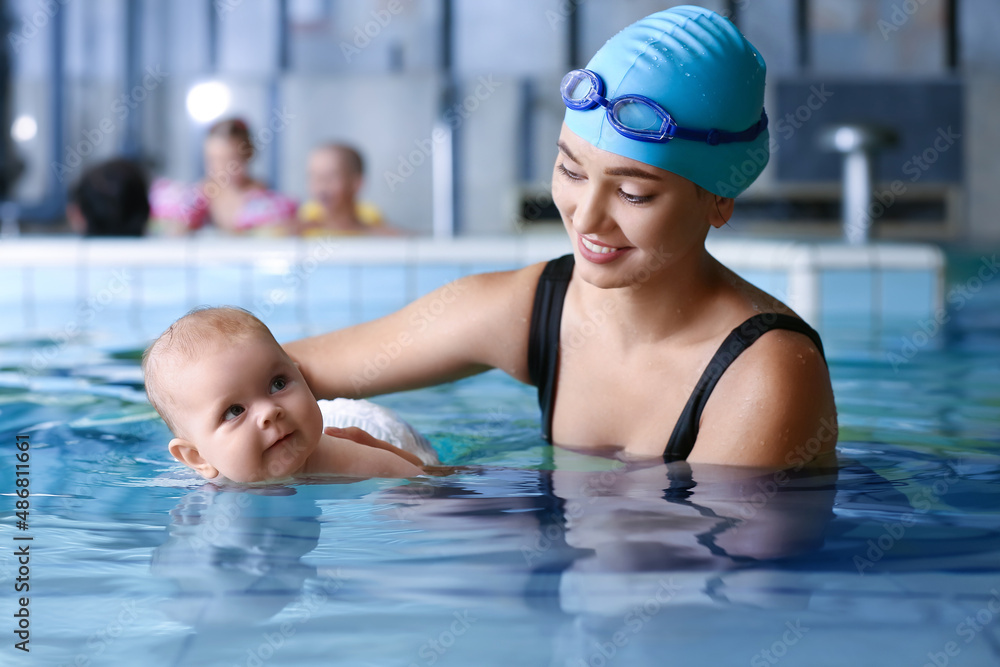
x=722 y=211
x=185 y=452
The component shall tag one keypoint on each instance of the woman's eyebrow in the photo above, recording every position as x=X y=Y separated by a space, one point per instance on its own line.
x=628 y=172
x=565 y=149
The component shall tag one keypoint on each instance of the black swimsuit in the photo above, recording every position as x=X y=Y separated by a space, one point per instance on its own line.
x=543 y=354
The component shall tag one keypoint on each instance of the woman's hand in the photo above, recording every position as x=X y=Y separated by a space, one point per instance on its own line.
x=362 y=437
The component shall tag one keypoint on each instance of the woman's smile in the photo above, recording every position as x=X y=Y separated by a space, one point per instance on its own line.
x=597 y=252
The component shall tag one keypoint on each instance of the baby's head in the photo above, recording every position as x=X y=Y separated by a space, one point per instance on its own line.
x=236 y=403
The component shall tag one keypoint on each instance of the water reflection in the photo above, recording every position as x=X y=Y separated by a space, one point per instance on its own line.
x=618 y=562
x=582 y=541
x=570 y=567
x=617 y=559
x=234 y=559
x=696 y=525
x=592 y=526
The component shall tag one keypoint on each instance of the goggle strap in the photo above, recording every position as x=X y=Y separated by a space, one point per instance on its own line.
x=715 y=137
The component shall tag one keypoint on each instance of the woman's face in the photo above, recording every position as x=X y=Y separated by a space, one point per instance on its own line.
x=626 y=218
x=223 y=157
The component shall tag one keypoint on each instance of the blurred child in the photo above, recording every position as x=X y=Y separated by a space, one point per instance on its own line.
x=228 y=198
x=110 y=199
x=336 y=174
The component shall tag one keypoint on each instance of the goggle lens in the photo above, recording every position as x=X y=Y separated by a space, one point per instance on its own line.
x=578 y=89
x=638 y=116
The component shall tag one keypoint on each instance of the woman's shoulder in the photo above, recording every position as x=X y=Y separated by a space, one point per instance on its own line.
x=775 y=394
x=774 y=343
x=761 y=321
x=783 y=345
x=773 y=400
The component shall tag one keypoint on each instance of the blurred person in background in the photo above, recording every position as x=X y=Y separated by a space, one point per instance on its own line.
x=336 y=175
x=228 y=198
x=110 y=199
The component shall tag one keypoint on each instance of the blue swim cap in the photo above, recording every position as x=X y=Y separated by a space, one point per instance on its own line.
x=705 y=73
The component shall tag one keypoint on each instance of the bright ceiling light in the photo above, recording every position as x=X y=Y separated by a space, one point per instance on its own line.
x=208 y=101
x=24 y=128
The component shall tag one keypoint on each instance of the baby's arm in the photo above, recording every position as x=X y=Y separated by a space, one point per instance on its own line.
x=343 y=456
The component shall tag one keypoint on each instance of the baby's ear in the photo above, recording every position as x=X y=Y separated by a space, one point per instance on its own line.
x=185 y=452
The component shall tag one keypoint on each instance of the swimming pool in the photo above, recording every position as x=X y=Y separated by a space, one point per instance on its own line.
x=528 y=558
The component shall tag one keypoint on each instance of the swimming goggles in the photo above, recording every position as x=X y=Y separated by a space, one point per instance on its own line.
x=640 y=118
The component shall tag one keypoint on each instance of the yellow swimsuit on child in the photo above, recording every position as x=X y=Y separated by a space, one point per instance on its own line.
x=312 y=214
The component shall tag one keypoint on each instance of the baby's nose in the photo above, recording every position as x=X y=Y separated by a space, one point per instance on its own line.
x=269 y=413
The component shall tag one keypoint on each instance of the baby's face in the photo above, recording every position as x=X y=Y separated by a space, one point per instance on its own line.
x=246 y=409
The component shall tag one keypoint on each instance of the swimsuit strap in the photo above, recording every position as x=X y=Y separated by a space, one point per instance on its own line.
x=686 y=430
x=543 y=354
x=543 y=336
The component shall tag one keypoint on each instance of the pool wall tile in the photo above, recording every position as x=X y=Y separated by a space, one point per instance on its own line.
x=326 y=285
x=846 y=296
x=223 y=285
x=905 y=294
x=11 y=285
x=334 y=282
x=430 y=277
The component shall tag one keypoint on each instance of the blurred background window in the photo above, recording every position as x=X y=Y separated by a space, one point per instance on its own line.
x=454 y=103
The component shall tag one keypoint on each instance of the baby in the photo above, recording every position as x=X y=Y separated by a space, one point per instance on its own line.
x=239 y=408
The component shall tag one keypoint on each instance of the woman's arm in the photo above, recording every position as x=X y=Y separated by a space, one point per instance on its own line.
x=346 y=456
x=363 y=437
x=772 y=408
x=463 y=328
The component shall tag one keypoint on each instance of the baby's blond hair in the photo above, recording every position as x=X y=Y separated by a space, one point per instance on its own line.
x=185 y=338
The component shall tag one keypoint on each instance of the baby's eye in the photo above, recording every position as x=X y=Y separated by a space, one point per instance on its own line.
x=232 y=412
x=278 y=383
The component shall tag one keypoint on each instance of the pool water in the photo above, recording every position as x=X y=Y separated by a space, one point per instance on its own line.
x=529 y=556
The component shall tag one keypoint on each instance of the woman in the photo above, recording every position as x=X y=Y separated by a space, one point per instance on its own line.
x=228 y=198
x=640 y=341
